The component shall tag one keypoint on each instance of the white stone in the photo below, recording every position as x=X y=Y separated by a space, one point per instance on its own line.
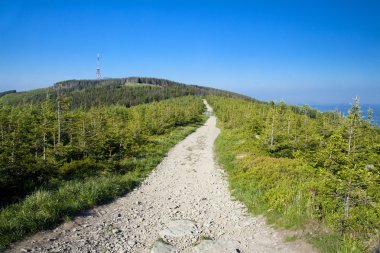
x=160 y=247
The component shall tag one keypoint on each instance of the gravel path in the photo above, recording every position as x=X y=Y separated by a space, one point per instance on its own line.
x=183 y=206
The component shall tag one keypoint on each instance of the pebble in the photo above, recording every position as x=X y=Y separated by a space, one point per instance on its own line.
x=131 y=243
x=160 y=247
x=116 y=231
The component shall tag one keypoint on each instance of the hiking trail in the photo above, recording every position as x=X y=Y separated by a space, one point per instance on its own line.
x=184 y=205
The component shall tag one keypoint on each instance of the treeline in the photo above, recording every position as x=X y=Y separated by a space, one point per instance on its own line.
x=45 y=143
x=121 y=91
x=90 y=83
x=7 y=92
x=300 y=166
x=135 y=94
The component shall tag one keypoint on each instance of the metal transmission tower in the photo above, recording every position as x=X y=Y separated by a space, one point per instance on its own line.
x=98 y=67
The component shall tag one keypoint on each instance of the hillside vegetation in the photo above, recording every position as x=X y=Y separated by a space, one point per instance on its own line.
x=304 y=169
x=119 y=91
x=82 y=142
x=76 y=144
x=66 y=160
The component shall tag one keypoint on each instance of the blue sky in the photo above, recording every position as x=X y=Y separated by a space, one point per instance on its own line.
x=299 y=51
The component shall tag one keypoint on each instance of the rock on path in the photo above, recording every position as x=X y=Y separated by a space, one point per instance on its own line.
x=183 y=206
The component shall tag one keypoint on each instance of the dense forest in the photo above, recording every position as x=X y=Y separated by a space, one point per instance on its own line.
x=305 y=169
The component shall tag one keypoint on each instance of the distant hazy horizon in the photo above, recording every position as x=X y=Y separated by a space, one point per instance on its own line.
x=344 y=107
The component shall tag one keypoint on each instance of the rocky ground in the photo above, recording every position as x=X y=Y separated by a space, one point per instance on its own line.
x=183 y=206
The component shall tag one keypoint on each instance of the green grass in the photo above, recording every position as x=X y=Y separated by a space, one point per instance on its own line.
x=330 y=243
x=46 y=208
x=291 y=238
x=43 y=209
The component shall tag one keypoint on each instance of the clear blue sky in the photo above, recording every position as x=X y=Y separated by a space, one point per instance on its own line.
x=300 y=51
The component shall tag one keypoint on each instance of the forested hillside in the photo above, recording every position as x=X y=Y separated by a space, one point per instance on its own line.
x=305 y=169
x=119 y=91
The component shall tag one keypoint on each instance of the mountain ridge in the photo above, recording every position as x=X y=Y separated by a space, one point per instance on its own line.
x=128 y=91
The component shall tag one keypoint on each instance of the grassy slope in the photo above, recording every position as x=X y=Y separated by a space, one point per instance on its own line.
x=44 y=209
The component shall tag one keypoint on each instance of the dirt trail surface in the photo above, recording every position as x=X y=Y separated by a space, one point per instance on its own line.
x=183 y=206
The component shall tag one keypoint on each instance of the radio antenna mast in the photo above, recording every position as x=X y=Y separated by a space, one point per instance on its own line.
x=98 y=67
